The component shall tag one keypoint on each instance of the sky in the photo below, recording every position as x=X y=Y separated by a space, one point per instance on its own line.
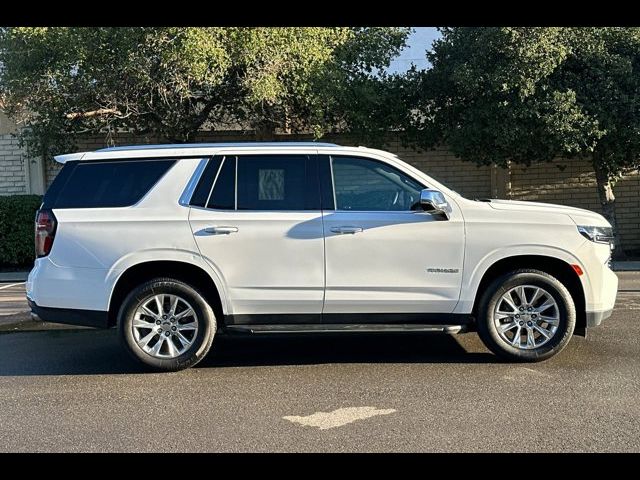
x=418 y=42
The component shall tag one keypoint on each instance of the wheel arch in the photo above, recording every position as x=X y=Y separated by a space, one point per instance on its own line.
x=557 y=267
x=189 y=273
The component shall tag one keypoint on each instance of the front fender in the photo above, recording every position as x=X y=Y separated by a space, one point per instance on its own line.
x=473 y=273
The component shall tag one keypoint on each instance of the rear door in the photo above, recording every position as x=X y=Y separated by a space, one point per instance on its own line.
x=257 y=220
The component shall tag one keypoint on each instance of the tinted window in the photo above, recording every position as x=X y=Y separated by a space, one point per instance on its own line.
x=367 y=185
x=273 y=182
x=223 y=195
x=202 y=190
x=326 y=183
x=109 y=184
x=48 y=201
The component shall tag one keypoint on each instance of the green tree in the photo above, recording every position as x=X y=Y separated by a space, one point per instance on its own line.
x=526 y=95
x=169 y=82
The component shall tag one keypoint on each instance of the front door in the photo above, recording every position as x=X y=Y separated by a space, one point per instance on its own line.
x=263 y=237
x=384 y=255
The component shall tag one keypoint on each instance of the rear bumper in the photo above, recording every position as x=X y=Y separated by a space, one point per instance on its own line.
x=595 y=318
x=52 y=286
x=70 y=316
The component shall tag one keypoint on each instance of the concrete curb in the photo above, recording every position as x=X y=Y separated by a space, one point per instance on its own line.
x=8 y=322
x=13 y=276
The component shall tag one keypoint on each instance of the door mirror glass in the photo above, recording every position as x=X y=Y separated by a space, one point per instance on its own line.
x=433 y=201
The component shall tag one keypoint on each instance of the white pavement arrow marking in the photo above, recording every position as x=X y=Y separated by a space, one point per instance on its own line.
x=338 y=418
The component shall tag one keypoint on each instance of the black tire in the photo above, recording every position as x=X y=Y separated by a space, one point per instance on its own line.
x=566 y=308
x=205 y=318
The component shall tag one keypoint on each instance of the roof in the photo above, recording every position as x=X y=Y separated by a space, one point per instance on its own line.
x=195 y=150
x=185 y=149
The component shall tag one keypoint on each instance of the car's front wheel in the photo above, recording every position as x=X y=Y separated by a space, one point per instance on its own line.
x=166 y=324
x=526 y=315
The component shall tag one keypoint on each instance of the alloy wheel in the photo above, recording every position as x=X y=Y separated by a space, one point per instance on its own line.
x=165 y=326
x=526 y=317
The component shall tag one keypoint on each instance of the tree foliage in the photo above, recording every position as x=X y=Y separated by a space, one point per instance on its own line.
x=169 y=82
x=526 y=95
x=17 y=213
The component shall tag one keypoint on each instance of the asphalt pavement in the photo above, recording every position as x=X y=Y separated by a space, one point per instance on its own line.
x=77 y=390
x=12 y=298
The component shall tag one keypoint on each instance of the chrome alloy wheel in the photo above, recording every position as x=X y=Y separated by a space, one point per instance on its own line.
x=526 y=317
x=165 y=326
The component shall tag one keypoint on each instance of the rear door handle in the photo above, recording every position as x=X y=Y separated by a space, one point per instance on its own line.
x=346 y=230
x=221 y=230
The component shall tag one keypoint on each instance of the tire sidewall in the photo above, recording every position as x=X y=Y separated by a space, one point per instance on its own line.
x=205 y=315
x=566 y=309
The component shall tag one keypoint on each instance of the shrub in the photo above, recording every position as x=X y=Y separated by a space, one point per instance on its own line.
x=17 y=216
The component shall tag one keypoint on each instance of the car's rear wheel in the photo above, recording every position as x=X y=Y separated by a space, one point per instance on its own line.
x=526 y=315
x=166 y=324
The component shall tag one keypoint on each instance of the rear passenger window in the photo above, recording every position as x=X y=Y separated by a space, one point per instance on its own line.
x=95 y=184
x=272 y=182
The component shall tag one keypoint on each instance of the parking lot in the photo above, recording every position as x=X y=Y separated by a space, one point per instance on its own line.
x=76 y=390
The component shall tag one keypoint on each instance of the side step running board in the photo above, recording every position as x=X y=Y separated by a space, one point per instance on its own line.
x=340 y=328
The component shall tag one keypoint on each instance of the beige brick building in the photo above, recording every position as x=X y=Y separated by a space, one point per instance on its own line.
x=567 y=182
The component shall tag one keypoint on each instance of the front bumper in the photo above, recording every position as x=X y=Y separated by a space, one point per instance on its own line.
x=595 y=318
x=70 y=316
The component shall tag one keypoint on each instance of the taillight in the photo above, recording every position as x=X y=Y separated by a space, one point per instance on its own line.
x=45 y=232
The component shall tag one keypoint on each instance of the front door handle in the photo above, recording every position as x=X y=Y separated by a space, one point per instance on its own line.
x=346 y=230
x=221 y=230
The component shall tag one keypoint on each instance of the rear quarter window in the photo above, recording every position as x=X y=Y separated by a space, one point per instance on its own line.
x=96 y=184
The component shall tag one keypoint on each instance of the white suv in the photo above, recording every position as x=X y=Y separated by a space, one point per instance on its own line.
x=174 y=243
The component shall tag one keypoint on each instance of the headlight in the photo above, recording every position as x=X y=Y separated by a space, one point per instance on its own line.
x=597 y=234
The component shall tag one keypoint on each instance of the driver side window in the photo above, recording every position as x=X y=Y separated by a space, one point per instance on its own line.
x=361 y=185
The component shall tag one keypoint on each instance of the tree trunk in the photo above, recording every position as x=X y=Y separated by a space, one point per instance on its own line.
x=608 y=204
x=265 y=132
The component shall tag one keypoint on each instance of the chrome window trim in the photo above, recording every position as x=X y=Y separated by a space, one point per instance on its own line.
x=187 y=193
x=235 y=188
x=319 y=212
x=403 y=212
x=333 y=184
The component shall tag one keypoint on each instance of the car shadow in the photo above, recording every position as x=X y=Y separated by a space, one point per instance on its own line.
x=98 y=352
x=311 y=349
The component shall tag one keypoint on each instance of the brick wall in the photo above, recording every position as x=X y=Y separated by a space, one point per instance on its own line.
x=464 y=177
x=13 y=175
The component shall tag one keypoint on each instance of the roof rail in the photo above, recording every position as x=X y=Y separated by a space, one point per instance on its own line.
x=217 y=145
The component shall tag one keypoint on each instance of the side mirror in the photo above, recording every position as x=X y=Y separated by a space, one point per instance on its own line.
x=433 y=201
